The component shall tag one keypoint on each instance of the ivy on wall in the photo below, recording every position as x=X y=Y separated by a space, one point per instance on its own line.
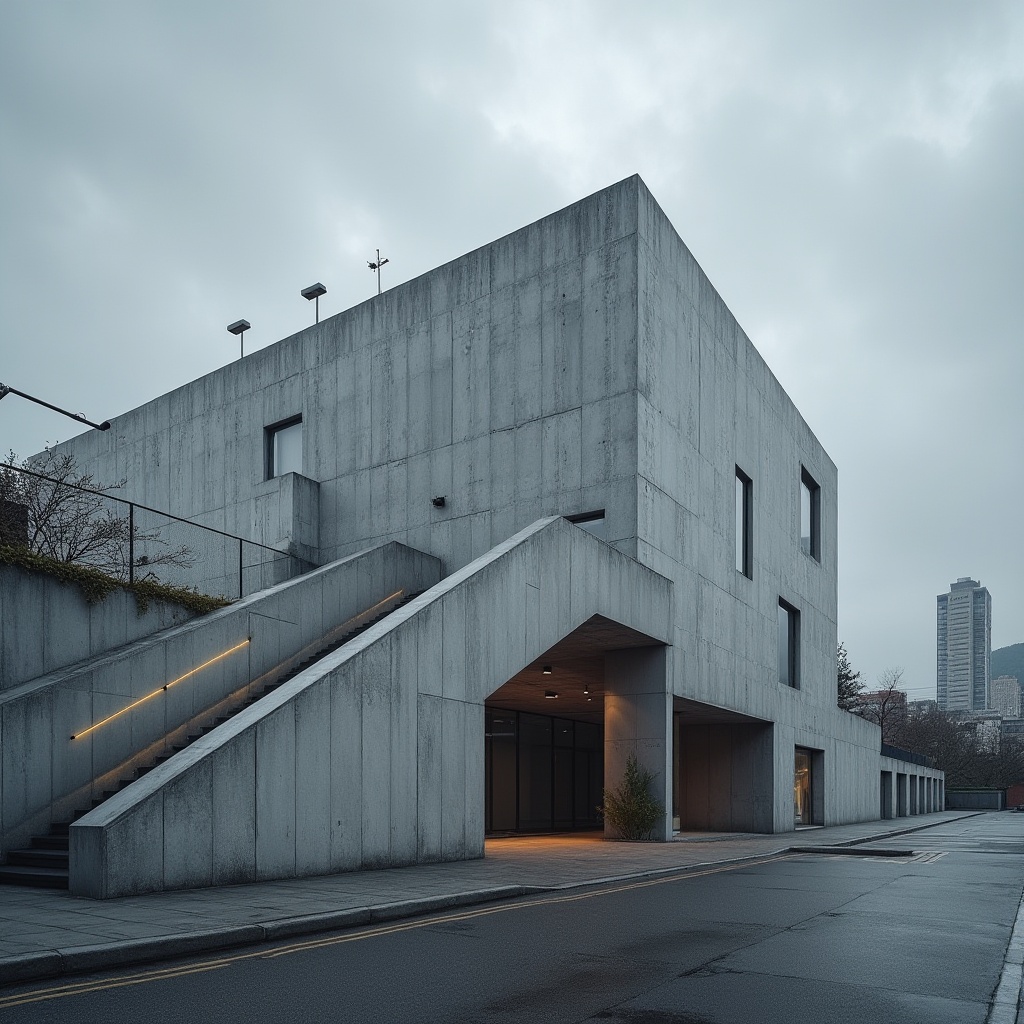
x=95 y=585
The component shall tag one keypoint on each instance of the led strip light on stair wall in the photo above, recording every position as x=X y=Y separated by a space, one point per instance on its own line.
x=162 y=689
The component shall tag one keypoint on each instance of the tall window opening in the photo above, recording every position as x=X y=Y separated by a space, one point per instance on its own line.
x=810 y=515
x=803 y=794
x=789 y=643
x=744 y=524
x=284 y=447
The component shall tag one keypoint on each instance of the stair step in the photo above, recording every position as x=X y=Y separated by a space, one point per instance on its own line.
x=43 y=878
x=45 y=863
x=51 y=842
x=37 y=858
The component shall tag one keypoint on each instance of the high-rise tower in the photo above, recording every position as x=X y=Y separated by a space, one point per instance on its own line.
x=964 y=646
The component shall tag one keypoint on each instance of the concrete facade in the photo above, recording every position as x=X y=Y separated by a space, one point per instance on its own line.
x=373 y=756
x=48 y=770
x=583 y=365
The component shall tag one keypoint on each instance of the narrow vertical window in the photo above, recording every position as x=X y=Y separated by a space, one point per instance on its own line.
x=744 y=524
x=810 y=515
x=284 y=447
x=789 y=642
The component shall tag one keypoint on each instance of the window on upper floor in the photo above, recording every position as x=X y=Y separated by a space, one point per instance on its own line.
x=810 y=515
x=284 y=447
x=592 y=522
x=744 y=524
x=789 y=645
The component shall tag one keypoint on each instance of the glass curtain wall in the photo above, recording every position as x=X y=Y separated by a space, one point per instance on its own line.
x=542 y=774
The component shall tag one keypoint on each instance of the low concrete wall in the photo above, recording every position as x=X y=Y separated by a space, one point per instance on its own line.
x=374 y=756
x=46 y=625
x=46 y=775
x=976 y=800
x=909 y=788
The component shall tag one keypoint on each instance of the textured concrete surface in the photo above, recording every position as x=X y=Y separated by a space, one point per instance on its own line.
x=373 y=756
x=47 y=625
x=582 y=363
x=44 y=933
x=45 y=775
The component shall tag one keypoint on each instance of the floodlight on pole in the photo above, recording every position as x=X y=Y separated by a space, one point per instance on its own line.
x=376 y=266
x=314 y=291
x=6 y=389
x=239 y=327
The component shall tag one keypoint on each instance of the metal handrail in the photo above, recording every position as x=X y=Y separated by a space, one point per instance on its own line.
x=137 y=504
x=133 y=505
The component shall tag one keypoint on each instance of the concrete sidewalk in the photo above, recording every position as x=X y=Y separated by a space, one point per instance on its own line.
x=46 y=933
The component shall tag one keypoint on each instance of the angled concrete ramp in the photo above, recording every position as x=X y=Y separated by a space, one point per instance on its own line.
x=373 y=757
x=70 y=735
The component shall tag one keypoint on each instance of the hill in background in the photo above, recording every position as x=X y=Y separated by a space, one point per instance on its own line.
x=1009 y=661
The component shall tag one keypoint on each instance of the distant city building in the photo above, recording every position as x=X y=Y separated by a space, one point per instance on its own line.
x=987 y=727
x=1006 y=696
x=1013 y=728
x=964 y=646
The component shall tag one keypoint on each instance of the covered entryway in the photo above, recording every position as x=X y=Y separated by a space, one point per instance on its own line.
x=724 y=770
x=548 y=739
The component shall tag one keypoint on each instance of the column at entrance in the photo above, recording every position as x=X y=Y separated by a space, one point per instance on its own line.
x=638 y=720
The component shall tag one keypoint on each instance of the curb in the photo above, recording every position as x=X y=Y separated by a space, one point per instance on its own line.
x=55 y=963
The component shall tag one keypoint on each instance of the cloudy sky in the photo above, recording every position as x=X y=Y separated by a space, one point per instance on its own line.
x=850 y=176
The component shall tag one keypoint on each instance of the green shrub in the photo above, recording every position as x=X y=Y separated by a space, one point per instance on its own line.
x=630 y=809
x=96 y=585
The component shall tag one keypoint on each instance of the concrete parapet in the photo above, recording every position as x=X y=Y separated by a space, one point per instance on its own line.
x=55 y=758
x=47 y=625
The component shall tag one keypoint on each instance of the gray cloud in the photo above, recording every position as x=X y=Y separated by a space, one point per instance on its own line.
x=848 y=176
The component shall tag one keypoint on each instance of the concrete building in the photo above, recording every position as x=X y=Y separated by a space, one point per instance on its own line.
x=964 y=646
x=1006 y=696
x=633 y=539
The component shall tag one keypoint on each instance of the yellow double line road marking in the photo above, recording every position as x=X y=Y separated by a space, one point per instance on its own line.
x=183 y=970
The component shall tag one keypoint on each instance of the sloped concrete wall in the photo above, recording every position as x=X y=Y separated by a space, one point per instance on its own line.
x=374 y=756
x=46 y=625
x=46 y=775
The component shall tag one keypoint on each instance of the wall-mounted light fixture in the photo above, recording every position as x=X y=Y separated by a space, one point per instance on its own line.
x=438 y=502
x=314 y=291
x=550 y=694
x=239 y=327
x=546 y=670
x=586 y=689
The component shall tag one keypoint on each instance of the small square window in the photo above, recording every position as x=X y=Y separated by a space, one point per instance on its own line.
x=284 y=447
x=810 y=515
x=592 y=522
x=744 y=524
x=789 y=645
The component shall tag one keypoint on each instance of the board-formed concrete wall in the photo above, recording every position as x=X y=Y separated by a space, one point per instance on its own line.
x=504 y=381
x=372 y=757
x=584 y=362
x=45 y=774
x=46 y=624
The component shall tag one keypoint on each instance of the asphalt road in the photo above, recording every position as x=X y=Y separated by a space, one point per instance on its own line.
x=800 y=938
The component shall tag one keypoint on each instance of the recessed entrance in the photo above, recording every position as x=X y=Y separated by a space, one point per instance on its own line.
x=544 y=734
x=808 y=804
x=542 y=774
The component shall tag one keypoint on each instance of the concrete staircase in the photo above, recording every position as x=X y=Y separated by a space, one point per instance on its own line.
x=44 y=863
